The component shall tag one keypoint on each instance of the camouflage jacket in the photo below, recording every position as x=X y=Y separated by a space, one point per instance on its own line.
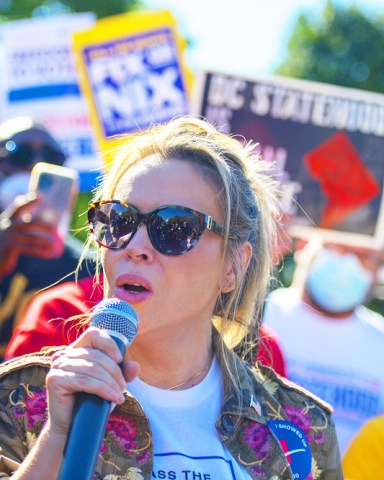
x=250 y=427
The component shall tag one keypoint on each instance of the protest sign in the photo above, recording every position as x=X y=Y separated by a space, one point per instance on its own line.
x=132 y=73
x=327 y=143
x=39 y=79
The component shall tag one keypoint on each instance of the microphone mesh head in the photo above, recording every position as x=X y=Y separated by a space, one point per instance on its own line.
x=117 y=316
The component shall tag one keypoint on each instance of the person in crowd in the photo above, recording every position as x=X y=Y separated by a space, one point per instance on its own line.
x=31 y=258
x=52 y=316
x=332 y=343
x=184 y=220
x=51 y=319
x=364 y=457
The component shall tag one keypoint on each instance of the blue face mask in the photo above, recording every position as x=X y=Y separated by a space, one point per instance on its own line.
x=338 y=282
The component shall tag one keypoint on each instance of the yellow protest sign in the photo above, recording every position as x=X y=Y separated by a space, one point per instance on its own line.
x=132 y=73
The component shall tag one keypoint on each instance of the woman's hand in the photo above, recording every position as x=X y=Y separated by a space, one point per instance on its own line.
x=90 y=364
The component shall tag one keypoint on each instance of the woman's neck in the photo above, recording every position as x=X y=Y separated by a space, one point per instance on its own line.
x=173 y=363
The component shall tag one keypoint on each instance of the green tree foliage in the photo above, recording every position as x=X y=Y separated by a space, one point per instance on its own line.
x=17 y=9
x=342 y=46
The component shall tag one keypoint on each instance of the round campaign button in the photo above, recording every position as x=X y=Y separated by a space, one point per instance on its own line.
x=295 y=446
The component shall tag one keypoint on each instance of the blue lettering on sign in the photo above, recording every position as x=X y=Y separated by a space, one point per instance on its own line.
x=348 y=398
x=137 y=83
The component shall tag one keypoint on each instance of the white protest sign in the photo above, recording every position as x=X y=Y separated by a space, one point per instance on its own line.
x=39 y=79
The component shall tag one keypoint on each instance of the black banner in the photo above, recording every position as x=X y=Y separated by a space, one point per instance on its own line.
x=327 y=143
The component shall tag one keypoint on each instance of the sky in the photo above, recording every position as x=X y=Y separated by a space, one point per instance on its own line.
x=245 y=37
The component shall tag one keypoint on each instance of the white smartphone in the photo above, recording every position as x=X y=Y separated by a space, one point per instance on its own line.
x=58 y=187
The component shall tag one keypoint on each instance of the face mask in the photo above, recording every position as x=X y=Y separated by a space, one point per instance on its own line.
x=11 y=186
x=338 y=283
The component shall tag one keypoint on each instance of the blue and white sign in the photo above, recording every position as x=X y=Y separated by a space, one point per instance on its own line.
x=136 y=81
x=39 y=79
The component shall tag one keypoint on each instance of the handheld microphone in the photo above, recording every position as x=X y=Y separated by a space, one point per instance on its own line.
x=91 y=412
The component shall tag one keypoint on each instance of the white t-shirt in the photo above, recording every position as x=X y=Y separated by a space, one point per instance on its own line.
x=186 y=444
x=341 y=361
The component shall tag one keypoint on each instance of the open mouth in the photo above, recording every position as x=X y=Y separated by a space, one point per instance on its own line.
x=134 y=288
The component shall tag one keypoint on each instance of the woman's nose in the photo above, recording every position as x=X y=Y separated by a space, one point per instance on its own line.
x=140 y=246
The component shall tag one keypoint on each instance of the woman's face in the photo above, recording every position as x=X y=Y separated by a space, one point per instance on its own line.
x=171 y=294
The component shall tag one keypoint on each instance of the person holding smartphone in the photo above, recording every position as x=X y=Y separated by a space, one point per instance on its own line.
x=30 y=256
x=23 y=143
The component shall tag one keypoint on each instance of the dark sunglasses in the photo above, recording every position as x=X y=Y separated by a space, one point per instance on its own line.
x=24 y=155
x=172 y=229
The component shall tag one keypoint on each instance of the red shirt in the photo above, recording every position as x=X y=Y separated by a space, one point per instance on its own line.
x=45 y=322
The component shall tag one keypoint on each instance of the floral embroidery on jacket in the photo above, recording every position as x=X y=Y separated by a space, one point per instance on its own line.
x=302 y=419
x=123 y=430
x=33 y=409
x=258 y=438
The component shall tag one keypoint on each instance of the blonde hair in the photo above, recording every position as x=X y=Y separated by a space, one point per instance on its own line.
x=249 y=203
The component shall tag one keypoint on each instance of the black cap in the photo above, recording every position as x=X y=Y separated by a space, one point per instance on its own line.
x=23 y=130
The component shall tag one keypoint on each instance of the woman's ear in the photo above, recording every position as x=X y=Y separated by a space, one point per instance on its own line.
x=235 y=267
x=245 y=256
